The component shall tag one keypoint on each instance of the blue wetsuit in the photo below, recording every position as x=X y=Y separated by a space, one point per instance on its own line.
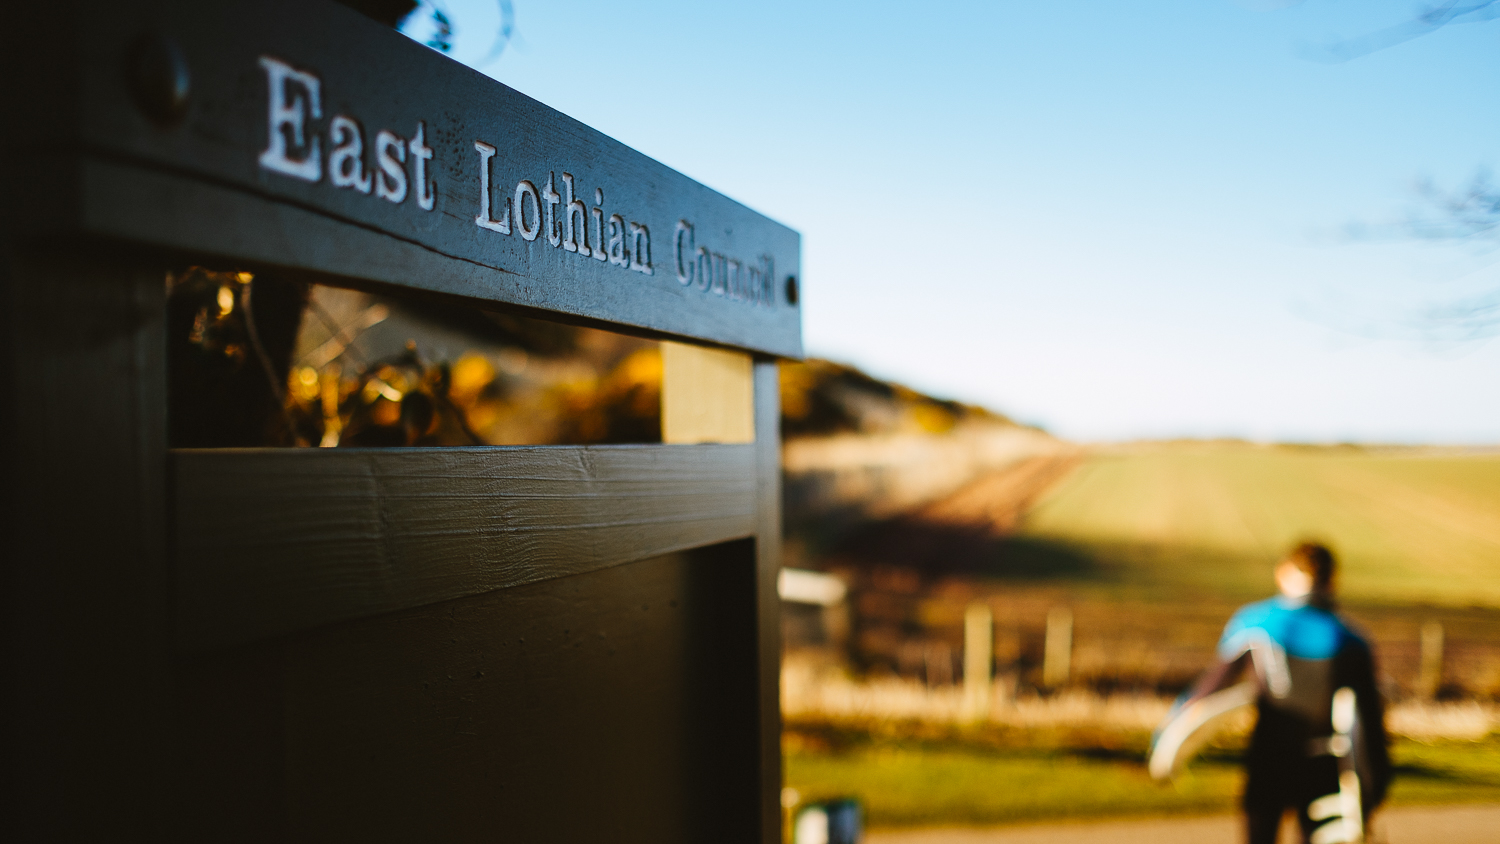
x=1300 y=654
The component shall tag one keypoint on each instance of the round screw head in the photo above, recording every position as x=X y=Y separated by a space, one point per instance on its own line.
x=156 y=72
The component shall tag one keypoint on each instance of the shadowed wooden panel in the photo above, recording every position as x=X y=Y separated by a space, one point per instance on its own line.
x=613 y=706
x=84 y=580
x=271 y=541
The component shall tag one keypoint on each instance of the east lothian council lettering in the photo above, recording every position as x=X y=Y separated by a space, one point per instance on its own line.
x=299 y=145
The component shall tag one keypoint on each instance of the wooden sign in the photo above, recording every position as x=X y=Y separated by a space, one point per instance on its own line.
x=551 y=643
x=304 y=135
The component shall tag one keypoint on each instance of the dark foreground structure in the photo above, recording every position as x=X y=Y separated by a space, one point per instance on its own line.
x=550 y=643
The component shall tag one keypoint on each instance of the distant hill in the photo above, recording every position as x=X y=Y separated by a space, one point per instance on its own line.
x=820 y=398
x=858 y=448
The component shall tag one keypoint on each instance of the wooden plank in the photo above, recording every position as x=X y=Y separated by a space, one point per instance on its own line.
x=85 y=585
x=616 y=705
x=459 y=185
x=707 y=395
x=271 y=541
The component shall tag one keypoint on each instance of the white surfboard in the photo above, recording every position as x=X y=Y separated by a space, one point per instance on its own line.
x=1192 y=726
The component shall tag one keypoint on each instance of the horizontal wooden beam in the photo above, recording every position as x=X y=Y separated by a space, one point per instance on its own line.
x=303 y=135
x=270 y=541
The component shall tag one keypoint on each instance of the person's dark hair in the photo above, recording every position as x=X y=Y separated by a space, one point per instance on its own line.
x=1315 y=559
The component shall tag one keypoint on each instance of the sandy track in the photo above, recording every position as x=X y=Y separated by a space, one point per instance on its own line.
x=995 y=502
x=962 y=527
x=1402 y=825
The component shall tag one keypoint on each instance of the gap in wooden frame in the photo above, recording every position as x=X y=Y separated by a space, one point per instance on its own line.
x=255 y=360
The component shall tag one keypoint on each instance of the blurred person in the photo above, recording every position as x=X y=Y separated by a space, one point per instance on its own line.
x=1319 y=745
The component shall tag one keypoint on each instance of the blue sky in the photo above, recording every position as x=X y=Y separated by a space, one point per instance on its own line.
x=1114 y=220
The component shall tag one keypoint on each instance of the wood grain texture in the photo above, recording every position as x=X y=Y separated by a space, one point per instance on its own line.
x=272 y=541
x=560 y=644
x=85 y=714
x=199 y=185
x=611 y=706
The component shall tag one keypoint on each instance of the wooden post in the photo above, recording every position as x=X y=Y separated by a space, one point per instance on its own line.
x=767 y=385
x=1007 y=661
x=1058 y=656
x=979 y=638
x=85 y=581
x=1430 y=681
x=937 y=660
x=707 y=395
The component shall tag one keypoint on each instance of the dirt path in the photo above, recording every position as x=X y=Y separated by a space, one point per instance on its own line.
x=1401 y=825
x=996 y=502
x=962 y=527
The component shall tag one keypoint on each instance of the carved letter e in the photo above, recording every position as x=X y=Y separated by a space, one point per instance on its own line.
x=290 y=114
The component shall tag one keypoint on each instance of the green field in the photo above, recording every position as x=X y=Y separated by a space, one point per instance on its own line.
x=1415 y=526
x=995 y=778
x=1151 y=547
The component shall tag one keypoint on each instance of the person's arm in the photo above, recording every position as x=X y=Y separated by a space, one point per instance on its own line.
x=1226 y=670
x=1221 y=675
x=1359 y=674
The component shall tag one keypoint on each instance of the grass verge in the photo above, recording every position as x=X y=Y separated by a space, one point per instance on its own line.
x=929 y=776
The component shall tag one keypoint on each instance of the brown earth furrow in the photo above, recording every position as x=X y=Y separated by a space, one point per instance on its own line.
x=997 y=501
x=956 y=531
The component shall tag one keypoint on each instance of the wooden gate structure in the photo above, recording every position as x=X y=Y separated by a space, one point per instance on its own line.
x=551 y=643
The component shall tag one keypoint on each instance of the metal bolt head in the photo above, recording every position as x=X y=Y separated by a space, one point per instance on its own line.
x=156 y=72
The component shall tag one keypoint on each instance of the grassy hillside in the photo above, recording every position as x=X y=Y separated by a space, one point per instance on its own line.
x=1410 y=527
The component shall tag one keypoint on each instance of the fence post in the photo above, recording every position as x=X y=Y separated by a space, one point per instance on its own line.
x=1431 y=678
x=937 y=661
x=1058 y=656
x=979 y=640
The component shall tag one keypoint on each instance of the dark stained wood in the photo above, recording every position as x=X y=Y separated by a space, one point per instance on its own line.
x=198 y=185
x=607 y=706
x=539 y=644
x=85 y=650
x=229 y=777
x=270 y=541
